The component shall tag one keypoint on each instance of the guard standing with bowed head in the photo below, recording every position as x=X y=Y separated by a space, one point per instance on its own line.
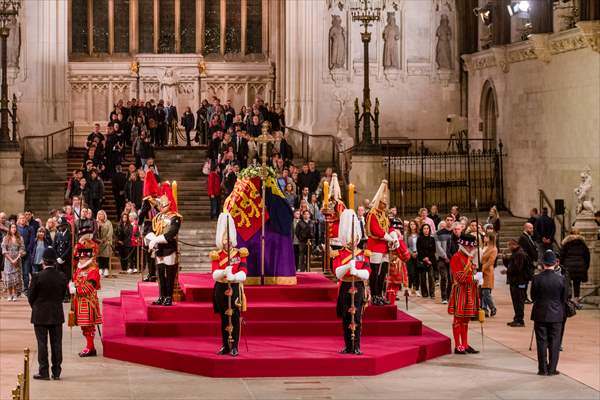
x=229 y=273
x=351 y=266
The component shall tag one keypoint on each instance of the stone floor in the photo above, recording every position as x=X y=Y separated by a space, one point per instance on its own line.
x=505 y=369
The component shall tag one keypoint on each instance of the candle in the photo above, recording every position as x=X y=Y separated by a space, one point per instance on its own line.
x=351 y=196
x=174 y=191
x=325 y=194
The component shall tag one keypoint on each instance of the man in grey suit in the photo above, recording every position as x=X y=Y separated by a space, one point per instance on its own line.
x=46 y=295
x=549 y=295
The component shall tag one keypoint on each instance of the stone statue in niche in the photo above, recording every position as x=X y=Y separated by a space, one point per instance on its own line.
x=14 y=44
x=585 y=201
x=391 y=36
x=443 y=50
x=168 y=86
x=337 y=43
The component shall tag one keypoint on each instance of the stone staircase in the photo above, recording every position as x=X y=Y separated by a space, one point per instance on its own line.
x=511 y=228
x=45 y=183
x=184 y=165
x=196 y=240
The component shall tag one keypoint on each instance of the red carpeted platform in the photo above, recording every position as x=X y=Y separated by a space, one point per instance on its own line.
x=288 y=331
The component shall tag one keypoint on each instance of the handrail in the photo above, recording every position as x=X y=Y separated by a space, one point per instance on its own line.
x=545 y=202
x=48 y=141
x=305 y=149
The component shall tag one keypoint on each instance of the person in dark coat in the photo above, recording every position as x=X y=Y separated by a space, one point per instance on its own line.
x=575 y=258
x=46 y=294
x=528 y=245
x=240 y=149
x=545 y=228
x=187 y=120
x=549 y=294
x=95 y=192
x=119 y=180
x=427 y=261
x=134 y=190
x=304 y=233
x=517 y=276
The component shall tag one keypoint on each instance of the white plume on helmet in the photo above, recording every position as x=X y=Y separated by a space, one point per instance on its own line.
x=382 y=195
x=345 y=229
x=221 y=235
x=335 y=191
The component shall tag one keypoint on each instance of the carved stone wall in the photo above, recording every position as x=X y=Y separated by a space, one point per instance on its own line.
x=96 y=86
x=415 y=98
x=548 y=118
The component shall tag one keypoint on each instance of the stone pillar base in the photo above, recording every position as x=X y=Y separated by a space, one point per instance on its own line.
x=12 y=189
x=366 y=175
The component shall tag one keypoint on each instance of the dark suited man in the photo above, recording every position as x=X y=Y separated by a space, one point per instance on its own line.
x=240 y=148
x=171 y=117
x=46 y=294
x=549 y=294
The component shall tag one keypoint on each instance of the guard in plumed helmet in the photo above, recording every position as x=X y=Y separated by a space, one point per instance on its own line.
x=379 y=240
x=336 y=206
x=464 y=299
x=162 y=241
x=84 y=288
x=229 y=274
x=147 y=213
x=351 y=266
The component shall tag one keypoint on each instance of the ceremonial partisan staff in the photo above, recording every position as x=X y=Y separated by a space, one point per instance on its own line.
x=406 y=294
x=481 y=314
x=229 y=293
x=352 y=309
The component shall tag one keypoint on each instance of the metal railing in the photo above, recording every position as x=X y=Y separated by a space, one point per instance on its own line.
x=545 y=202
x=308 y=147
x=420 y=178
x=48 y=146
x=21 y=391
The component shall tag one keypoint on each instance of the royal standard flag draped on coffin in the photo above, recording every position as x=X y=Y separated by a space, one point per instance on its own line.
x=244 y=204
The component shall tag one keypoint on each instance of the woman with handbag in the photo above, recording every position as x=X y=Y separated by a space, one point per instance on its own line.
x=426 y=259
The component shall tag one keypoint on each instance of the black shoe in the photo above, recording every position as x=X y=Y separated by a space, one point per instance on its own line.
x=471 y=350
x=56 y=377
x=527 y=301
x=457 y=351
x=357 y=351
x=553 y=373
x=345 y=351
x=41 y=377
x=542 y=373
x=493 y=312
x=168 y=301
x=234 y=352
x=223 y=351
x=91 y=353
x=515 y=324
x=159 y=301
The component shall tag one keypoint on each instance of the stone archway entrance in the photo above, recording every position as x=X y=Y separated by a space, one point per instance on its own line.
x=489 y=115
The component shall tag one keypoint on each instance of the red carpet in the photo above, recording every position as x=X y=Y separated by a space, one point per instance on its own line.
x=288 y=331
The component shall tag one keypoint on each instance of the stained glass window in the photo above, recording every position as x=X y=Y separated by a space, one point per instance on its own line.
x=100 y=25
x=166 y=35
x=79 y=27
x=145 y=26
x=233 y=23
x=121 y=18
x=188 y=26
x=254 y=27
x=212 y=26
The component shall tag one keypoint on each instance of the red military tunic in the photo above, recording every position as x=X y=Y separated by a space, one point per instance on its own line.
x=398 y=274
x=344 y=256
x=334 y=219
x=464 y=299
x=238 y=260
x=377 y=226
x=85 y=299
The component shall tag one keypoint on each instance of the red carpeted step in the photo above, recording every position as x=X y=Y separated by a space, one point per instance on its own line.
x=290 y=330
x=261 y=311
x=406 y=327
x=274 y=355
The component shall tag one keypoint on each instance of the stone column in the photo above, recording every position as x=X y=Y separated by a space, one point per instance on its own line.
x=12 y=194
x=366 y=175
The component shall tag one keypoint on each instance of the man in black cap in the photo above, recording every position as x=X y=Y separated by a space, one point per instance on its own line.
x=549 y=295
x=46 y=294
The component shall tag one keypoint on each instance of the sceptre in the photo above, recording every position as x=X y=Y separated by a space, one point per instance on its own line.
x=263 y=140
